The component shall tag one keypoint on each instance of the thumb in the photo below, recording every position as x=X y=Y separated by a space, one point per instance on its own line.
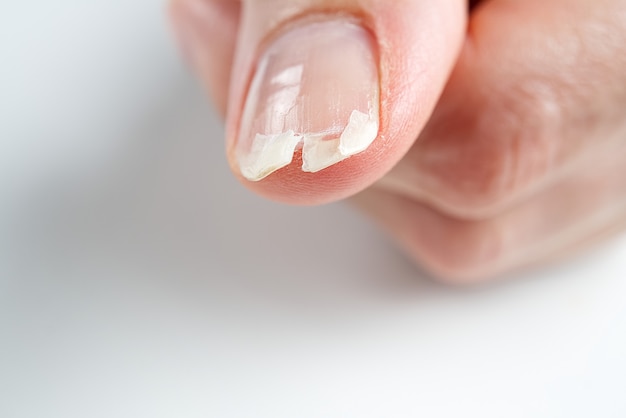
x=326 y=96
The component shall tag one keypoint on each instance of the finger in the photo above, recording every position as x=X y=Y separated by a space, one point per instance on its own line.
x=539 y=88
x=328 y=95
x=207 y=31
x=553 y=222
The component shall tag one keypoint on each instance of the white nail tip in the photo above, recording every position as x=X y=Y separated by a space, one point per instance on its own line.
x=358 y=135
x=270 y=153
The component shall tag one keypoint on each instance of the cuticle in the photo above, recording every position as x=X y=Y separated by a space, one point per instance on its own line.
x=313 y=16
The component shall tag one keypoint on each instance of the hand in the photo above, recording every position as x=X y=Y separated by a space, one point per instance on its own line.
x=499 y=134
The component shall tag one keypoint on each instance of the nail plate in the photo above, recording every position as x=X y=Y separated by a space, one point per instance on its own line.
x=315 y=91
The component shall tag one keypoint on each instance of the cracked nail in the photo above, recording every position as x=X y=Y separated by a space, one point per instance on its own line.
x=315 y=90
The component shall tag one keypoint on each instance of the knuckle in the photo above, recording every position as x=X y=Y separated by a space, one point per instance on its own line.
x=506 y=146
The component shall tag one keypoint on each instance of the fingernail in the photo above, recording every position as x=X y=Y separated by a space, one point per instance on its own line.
x=315 y=90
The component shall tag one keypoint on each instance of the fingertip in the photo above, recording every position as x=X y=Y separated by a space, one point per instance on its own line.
x=293 y=186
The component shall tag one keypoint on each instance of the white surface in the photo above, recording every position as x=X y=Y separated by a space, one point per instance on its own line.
x=138 y=279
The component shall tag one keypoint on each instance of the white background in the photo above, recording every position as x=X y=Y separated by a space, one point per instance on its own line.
x=138 y=279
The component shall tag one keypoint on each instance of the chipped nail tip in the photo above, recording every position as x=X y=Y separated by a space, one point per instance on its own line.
x=315 y=90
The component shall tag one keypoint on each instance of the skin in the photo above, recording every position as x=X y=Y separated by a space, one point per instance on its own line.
x=502 y=129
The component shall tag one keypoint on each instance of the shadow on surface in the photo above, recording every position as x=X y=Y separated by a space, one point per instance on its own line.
x=165 y=212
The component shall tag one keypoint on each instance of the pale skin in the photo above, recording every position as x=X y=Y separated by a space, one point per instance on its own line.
x=502 y=130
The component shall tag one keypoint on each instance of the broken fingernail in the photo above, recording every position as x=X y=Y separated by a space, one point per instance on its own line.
x=315 y=91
